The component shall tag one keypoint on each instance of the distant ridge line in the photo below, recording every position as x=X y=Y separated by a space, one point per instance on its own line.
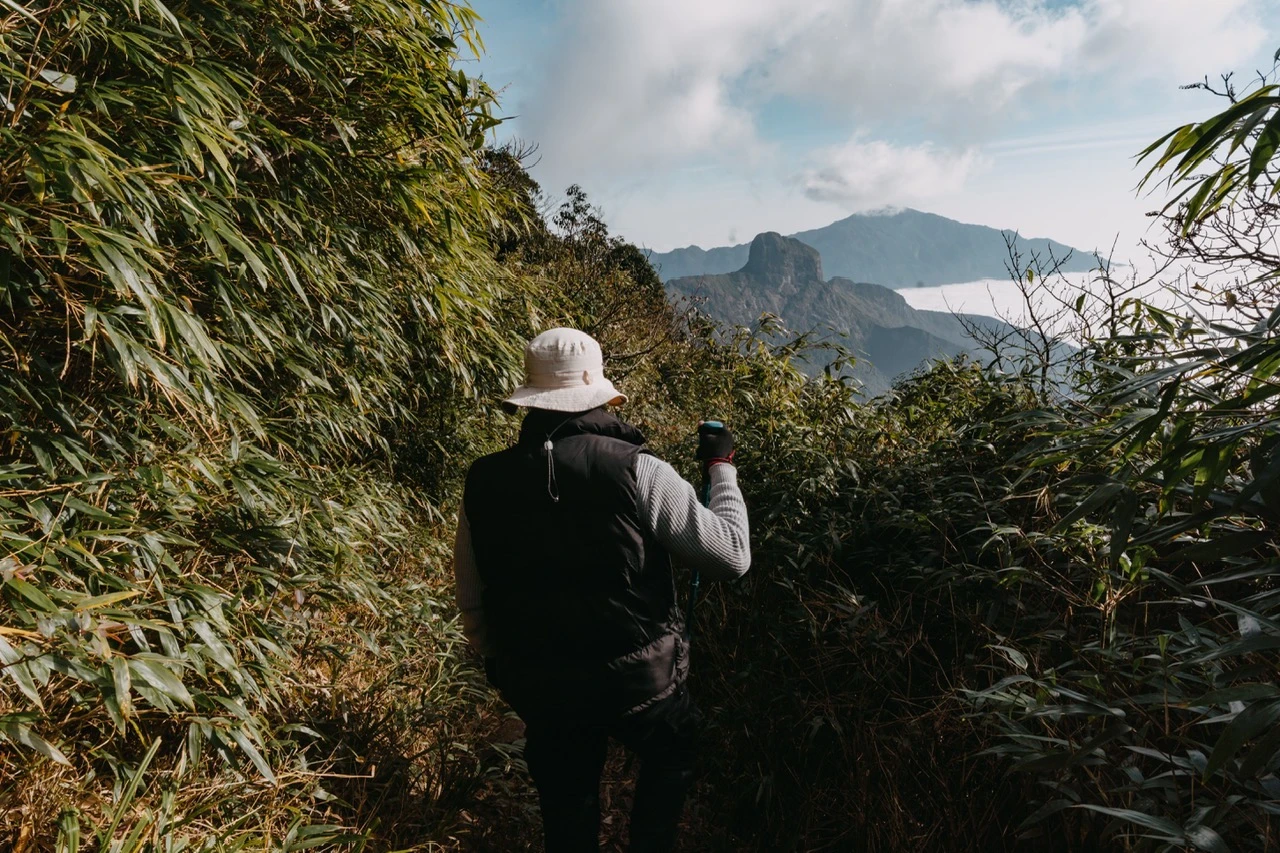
x=895 y=247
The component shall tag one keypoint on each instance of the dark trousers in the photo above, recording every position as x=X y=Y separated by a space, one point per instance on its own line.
x=566 y=758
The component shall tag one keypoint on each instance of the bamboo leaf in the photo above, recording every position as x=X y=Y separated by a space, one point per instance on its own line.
x=1095 y=500
x=97 y=601
x=1170 y=830
x=15 y=666
x=125 y=803
x=1264 y=149
x=154 y=673
x=123 y=685
x=1230 y=545
x=20 y=733
x=242 y=740
x=217 y=649
x=1255 y=718
x=68 y=840
x=1238 y=693
x=41 y=601
x=1204 y=838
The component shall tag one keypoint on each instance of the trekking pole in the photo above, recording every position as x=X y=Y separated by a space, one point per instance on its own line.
x=696 y=580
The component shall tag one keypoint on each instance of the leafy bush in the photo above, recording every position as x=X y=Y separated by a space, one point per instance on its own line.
x=238 y=241
x=261 y=286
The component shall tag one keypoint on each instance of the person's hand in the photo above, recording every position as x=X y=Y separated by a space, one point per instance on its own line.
x=715 y=443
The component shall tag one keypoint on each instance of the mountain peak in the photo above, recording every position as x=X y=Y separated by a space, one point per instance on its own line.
x=894 y=247
x=887 y=210
x=783 y=259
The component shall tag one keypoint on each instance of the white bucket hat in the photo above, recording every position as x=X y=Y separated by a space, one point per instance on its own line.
x=564 y=372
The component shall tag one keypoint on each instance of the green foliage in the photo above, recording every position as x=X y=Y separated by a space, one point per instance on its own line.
x=261 y=288
x=1225 y=157
x=983 y=617
x=836 y=662
x=960 y=580
x=1161 y=696
x=238 y=243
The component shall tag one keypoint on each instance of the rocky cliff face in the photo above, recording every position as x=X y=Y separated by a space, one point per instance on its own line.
x=788 y=264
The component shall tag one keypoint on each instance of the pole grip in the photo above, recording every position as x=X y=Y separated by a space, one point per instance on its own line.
x=696 y=580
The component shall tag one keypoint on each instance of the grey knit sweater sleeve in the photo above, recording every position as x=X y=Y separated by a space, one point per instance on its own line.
x=713 y=540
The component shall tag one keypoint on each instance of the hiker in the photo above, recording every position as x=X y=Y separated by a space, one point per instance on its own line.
x=564 y=579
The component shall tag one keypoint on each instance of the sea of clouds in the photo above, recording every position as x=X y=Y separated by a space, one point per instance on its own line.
x=1002 y=297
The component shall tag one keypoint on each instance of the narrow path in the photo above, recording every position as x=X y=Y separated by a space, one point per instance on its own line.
x=504 y=817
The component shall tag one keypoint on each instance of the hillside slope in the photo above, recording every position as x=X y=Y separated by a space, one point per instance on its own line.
x=900 y=249
x=783 y=276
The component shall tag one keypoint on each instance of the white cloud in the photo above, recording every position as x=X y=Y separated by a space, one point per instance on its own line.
x=638 y=84
x=961 y=58
x=667 y=111
x=1178 y=39
x=870 y=173
x=880 y=58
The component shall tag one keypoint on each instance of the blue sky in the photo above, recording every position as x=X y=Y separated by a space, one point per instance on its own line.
x=707 y=121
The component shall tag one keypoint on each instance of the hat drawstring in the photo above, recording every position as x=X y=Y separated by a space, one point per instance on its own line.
x=553 y=488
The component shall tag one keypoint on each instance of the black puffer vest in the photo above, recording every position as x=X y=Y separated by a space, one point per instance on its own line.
x=579 y=599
